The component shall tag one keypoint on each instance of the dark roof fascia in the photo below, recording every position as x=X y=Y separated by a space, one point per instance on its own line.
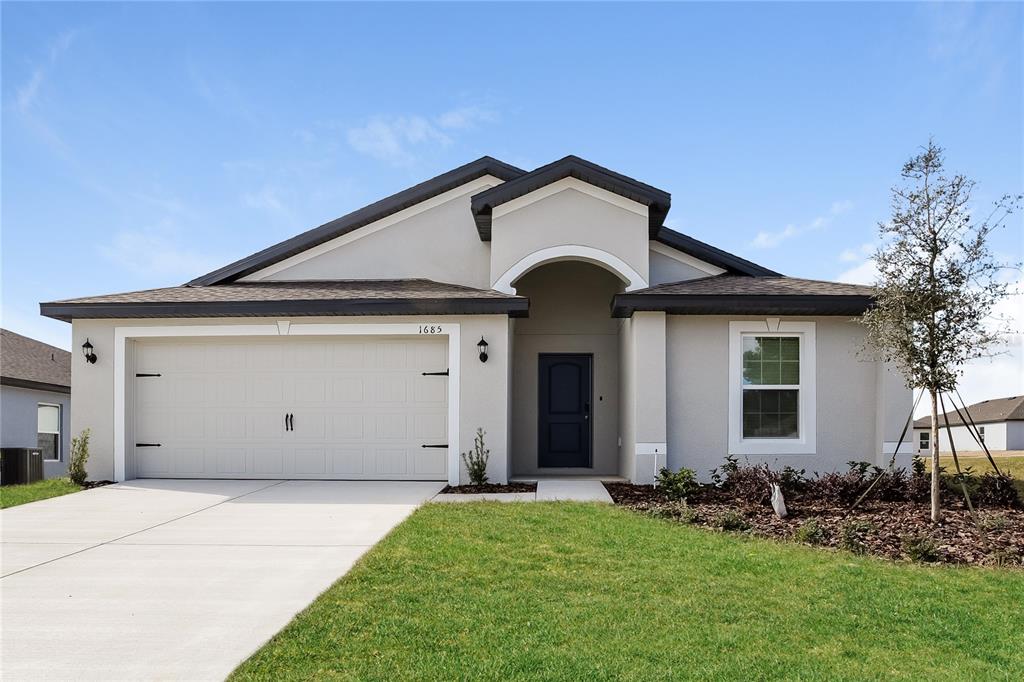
x=657 y=201
x=360 y=218
x=942 y=425
x=624 y=305
x=35 y=385
x=513 y=307
x=712 y=255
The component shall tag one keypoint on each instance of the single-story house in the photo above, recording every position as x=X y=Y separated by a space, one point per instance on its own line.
x=35 y=399
x=552 y=308
x=1000 y=423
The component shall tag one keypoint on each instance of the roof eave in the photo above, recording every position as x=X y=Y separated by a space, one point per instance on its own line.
x=512 y=306
x=17 y=382
x=624 y=305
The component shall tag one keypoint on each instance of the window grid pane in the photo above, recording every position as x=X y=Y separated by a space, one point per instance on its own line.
x=770 y=413
x=771 y=361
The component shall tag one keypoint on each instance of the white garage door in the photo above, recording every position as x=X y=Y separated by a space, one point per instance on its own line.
x=338 y=407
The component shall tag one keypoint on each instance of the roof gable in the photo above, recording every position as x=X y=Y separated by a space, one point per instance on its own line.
x=657 y=201
x=710 y=254
x=368 y=214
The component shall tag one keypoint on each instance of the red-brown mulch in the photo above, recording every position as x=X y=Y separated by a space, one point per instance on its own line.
x=95 y=484
x=957 y=538
x=490 y=488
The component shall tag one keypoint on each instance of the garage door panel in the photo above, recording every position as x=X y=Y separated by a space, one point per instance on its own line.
x=361 y=407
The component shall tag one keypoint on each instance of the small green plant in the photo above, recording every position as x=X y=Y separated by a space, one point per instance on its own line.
x=79 y=457
x=677 y=485
x=853 y=536
x=994 y=522
x=810 y=532
x=732 y=520
x=920 y=547
x=476 y=460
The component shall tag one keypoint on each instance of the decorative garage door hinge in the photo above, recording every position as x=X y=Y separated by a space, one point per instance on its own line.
x=144 y=374
x=435 y=374
x=440 y=445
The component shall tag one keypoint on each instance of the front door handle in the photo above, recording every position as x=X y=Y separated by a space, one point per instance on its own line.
x=586 y=411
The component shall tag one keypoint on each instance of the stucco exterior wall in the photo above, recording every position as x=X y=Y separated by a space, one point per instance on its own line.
x=846 y=392
x=665 y=269
x=570 y=312
x=483 y=387
x=439 y=243
x=569 y=217
x=19 y=420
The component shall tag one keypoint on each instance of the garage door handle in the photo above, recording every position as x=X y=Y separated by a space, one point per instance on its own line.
x=435 y=374
x=440 y=445
x=147 y=445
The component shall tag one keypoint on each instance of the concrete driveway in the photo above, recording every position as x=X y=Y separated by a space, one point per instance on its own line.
x=177 y=580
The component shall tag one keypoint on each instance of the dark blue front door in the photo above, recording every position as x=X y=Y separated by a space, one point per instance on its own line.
x=564 y=408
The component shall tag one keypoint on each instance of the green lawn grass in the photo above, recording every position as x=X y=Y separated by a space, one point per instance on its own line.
x=589 y=592
x=13 y=495
x=1008 y=465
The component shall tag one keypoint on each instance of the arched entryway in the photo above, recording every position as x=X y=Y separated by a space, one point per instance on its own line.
x=565 y=372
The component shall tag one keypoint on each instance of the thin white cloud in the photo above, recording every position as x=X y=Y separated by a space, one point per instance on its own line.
x=863 y=273
x=27 y=94
x=155 y=253
x=858 y=254
x=397 y=139
x=768 y=240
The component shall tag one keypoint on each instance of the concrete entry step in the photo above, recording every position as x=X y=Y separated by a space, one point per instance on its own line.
x=572 y=489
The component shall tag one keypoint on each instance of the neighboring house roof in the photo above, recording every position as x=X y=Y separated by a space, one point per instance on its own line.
x=656 y=200
x=364 y=216
x=307 y=297
x=737 y=294
x=986 y=412
x=28 y=363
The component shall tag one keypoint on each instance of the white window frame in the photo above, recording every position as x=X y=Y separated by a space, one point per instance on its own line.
x=923 y=446
x=806 y=441
x=59 y=433
x=981 y=433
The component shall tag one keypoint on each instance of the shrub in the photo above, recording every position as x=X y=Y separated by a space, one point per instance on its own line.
x=677 y=485
x=853 y=536
x=731 y=520
x=793 y=481
x=746 y=483
x=810 y=532
x=476 y=460
x=920 y=547
x=79 y=457
x=996 y=490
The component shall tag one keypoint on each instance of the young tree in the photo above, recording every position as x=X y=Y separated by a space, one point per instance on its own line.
x=937 y=284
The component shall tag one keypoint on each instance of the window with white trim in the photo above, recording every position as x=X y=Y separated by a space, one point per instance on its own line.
x=924 y=441
x=772 y=387
x=981 y=433
x=48 y=430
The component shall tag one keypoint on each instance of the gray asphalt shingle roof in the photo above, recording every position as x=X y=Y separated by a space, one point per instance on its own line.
x=25 y=361
x=311 y=297
x=985 y=412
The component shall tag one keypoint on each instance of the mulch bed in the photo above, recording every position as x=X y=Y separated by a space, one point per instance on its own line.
x=88 y=485
x=875 y=528
x=490 y=488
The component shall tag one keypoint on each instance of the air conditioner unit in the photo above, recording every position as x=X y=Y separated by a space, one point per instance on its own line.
x=20 y=465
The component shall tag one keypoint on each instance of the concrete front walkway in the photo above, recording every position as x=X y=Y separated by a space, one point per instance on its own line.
x=548 y=489
x=177 y=580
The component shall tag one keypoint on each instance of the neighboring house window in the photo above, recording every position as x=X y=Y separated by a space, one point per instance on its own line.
x=981 y=433
x=48 y=430
x=772 y=387
x=924 y=441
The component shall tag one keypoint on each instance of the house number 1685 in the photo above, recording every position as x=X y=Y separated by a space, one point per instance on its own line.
x=430 y=329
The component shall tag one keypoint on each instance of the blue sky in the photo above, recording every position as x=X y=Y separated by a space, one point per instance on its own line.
x=145 y=144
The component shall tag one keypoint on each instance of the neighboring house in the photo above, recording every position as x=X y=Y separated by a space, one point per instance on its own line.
x=35 y=399
x=1000 y=424
x=614 y=346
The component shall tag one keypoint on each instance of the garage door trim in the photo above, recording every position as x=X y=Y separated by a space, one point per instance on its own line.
x=122 y=335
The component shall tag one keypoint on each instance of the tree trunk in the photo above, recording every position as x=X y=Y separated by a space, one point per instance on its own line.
x=936 y=511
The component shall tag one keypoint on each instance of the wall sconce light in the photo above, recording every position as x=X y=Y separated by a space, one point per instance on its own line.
x=482 y=345
x=90 y=357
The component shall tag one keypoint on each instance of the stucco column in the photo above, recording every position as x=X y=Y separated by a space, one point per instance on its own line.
x=649 y=404
x=893 y=402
